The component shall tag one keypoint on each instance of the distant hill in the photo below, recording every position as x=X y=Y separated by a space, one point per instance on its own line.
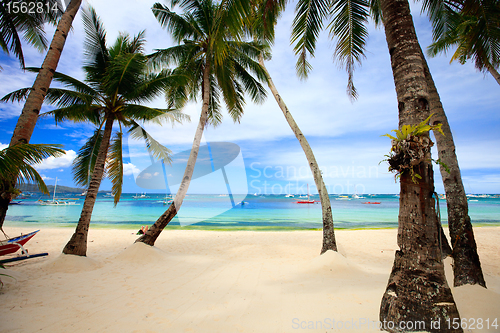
x=60 y=189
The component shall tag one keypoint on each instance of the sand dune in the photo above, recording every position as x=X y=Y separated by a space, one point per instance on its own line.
x=205 y=281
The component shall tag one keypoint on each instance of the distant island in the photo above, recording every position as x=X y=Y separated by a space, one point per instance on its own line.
x=60 y=189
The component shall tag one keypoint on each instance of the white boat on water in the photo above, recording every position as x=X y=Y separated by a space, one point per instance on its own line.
x=343 y=197
x=57 y=202
x=289 y=196
x=142 y=196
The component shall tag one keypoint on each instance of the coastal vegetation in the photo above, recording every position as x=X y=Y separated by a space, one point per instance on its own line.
x=26 y=26
x=262 y=24
x=29 y=115
x=116 y=82
x=213 y=60
x=219 y=65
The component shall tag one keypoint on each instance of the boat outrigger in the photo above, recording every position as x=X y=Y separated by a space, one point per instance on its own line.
x=12 y=245
x=57 y=202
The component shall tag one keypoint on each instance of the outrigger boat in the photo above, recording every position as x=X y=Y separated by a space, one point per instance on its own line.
x=12 y=245
x=57 y=202
x=308 y=201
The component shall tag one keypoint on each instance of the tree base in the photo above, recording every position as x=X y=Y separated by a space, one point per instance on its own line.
x=466 y=264
x=417 y=297
x=77 y=245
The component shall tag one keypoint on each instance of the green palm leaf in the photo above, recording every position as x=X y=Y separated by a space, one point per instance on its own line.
x=156 y=149
x=19 y=159
x=114 y=166
x=350 y=18
x=84 y=163
x=306 y=27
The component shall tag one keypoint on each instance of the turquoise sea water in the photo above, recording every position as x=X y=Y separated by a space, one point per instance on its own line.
x=217 y=212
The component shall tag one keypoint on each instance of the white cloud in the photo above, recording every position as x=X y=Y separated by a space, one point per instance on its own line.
x=57 y=162
x=3 y=146
x=46 y=178
x=129 y=169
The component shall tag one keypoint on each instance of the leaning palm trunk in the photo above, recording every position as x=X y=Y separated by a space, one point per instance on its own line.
x=29 y=116
x=326 y=208
x=152 y=234
x=466 y=267
x=77 y=245
x=417 y=290
x=493 y=72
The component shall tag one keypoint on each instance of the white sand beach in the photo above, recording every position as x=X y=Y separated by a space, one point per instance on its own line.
x=208 y=281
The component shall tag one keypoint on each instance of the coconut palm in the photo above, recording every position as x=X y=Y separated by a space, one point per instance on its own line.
x=29 y=115
x=264 y=18
x=348 y=28
x=417 y=263
x=117 y=80
x=473 y=27
x=219 y=66
x=17 y=162
x=15 y=20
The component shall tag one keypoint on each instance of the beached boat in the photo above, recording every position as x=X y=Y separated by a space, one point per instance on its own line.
x=308 y=201
x=57 y=202
x=12 y=245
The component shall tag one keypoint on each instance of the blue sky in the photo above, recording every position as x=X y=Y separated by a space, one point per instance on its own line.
x=345 y=136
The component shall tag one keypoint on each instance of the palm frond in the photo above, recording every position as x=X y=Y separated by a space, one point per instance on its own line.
x=179 y=26
x=376 y=12
x=123 y=73
x=77 y=113
x=114 y=166
x=18 y=162
x=306 y=27
x=350 y=18
x=84 y=163
x=17 y=96
x=156 y=149
x=96 y=53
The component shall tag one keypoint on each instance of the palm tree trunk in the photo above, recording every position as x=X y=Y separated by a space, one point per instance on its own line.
x=466 y=267
x=493 y=72
x=29 y=116
x=152 y=234
x=77 y=245
x=417 y=290
x=329 y=242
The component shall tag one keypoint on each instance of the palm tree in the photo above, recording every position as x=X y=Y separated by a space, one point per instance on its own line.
x=417 y=266
x=473 y=27
x=16 y=162
x=218 y=64
x=29 y=115
x=15 y=20
x=117 y=80
x=265 y=16
x=347 y=24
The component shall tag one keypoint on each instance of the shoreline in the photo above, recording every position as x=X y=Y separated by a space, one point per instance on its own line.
x=211 y=281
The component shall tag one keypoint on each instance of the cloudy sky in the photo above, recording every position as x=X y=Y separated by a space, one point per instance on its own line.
x=345 y=136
